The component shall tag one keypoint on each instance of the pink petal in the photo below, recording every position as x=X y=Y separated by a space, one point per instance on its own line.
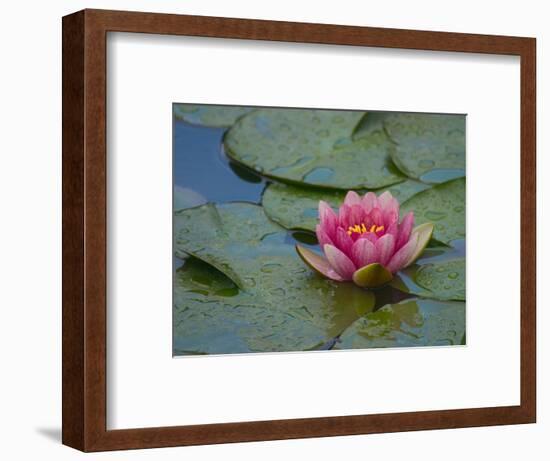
x=405 y=229
x=343 y=241
x=369 y=201
x=357 y=215
x=391 y=212
x=393 y=229
x=339 y=262
x=384 y=200
x=322 y=236
x=344 y=216
x=363 y=252
x=376 y=216
x=328 y=218
x=352 y=198
x=370 y=236
x=384 y=246
x=403 y=255
x=317 y=263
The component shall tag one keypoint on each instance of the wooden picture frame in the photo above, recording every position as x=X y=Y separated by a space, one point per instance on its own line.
x=85 y=221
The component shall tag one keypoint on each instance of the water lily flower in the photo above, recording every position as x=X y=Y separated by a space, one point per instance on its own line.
x=364 y=241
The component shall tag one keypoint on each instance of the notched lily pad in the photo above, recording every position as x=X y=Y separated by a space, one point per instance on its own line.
x=212 y=316
x=410 y=323
x=243 y=244
x=210 y=115
x=439 y=274
x=444 y=206
x=312 y=147
x=296 y=207
x=426 y=142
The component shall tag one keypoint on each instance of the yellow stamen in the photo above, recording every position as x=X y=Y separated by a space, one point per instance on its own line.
x=362 y=229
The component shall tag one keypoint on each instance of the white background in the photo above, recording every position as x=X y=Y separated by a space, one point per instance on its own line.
x=145 y=386
x=30 y=185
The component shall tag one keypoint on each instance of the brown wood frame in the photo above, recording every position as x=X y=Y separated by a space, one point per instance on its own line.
x=84 y=229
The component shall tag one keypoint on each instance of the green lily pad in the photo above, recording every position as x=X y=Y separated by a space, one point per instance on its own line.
x=444 y=206
x=410 y=323
x=296 y=207
x=187 y=198
x=208 y=115
x=272 y=282
x=426 y=142
x=406 y=189
x=212 y=316
x=446 y=280
x=312 y=147
x=439 y=274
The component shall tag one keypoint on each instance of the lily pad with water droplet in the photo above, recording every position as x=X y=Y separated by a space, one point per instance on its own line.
x=439 y=274
x=210 y=115
x=312 y=147
x=276 y=290
x=444 y=206
x=295 y=207
x=410 y=323
x=446 y=280
x=425 y=142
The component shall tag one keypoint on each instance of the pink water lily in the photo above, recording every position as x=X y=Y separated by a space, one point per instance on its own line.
x=364 y=241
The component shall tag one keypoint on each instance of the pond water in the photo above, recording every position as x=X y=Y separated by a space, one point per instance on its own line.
x=204 y=173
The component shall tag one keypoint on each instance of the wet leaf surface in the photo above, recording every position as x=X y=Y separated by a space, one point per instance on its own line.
x=439 y=274
x=214 y=116
x=413 y=322
x=444 y=206
x=312 y=147
x=426 y=142
x=279 y=304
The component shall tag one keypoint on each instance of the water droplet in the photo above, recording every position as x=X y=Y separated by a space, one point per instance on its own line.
x=453 y=275
x=270 y=267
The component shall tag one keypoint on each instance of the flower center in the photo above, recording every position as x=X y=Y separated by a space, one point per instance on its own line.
x=362 y=229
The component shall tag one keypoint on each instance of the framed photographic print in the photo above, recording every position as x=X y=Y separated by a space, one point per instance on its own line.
x=280 y=230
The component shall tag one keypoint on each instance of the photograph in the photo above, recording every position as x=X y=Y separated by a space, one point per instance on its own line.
x=299 y=229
